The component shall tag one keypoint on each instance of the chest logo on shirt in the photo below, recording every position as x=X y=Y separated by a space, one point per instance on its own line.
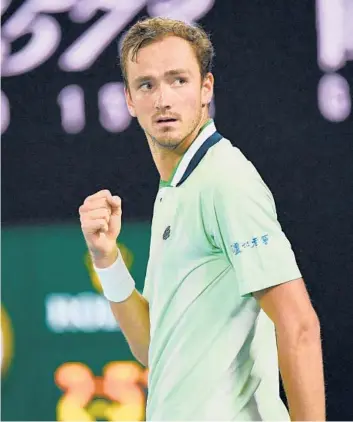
x=166 y=233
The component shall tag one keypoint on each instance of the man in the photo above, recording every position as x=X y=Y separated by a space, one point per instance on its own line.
x=222 y=278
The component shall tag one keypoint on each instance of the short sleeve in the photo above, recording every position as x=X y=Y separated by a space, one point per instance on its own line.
x=248 y=232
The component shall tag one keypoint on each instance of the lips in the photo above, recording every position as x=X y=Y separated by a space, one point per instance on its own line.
x=166 y=120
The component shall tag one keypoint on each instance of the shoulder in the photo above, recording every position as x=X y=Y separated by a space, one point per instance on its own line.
x=230 y=171
x=224 y=153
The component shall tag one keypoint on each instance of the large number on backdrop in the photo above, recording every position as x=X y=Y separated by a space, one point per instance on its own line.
x=34 y=18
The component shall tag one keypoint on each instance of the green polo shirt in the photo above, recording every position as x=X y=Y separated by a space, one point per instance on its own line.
x=215 y=239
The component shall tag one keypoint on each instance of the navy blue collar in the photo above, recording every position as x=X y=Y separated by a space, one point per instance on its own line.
x=197 y=150
x=210 y=141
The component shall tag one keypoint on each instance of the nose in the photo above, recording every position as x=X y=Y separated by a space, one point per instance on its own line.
x=163 y=98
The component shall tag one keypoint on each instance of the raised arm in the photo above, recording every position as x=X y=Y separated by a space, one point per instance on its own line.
x=100 y=217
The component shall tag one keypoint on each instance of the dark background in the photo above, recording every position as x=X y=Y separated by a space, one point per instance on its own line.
x=267 y=76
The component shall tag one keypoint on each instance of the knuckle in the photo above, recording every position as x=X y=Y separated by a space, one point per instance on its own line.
x=105 y=192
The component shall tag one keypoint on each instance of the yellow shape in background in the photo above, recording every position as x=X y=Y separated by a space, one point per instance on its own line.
x=116 y=396
x=128 y=258
x=6 y=341
x=68 y=410
x=99 y=409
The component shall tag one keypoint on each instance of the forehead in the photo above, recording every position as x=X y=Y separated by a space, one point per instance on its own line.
x=163 y=55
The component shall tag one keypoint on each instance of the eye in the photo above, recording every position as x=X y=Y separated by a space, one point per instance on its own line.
x=145 y=86
x=180 y=81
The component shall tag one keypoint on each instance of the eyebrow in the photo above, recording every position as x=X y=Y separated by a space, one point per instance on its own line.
x=176 y=72
x=172 y=72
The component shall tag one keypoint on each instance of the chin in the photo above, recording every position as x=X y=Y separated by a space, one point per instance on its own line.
x=171 y=142
x=167 y=139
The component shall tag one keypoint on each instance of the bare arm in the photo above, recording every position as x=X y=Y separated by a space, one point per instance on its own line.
x=133 y=317
x=299 y=348
x=100 y=217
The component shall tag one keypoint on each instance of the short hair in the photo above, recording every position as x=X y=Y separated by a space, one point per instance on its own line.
x=149 y=30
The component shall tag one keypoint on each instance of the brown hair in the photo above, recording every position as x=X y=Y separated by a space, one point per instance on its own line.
x=148 y=30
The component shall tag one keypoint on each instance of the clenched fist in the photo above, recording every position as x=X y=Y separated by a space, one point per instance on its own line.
x=100 y=217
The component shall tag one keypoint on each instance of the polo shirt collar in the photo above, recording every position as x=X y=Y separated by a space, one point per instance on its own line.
x=207 y=137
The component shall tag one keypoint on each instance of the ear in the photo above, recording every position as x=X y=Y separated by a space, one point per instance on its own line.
x=129 y=102
x=207 y=89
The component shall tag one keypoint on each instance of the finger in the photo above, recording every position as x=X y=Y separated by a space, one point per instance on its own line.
x=105 y=193
x=101 y=213
x=95 y=204
x=115 y=203
x=94 y=226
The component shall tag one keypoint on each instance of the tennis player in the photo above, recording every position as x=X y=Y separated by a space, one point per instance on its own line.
x=224 y=306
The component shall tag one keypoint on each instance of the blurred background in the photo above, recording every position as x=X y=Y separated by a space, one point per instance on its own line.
x=283 y=95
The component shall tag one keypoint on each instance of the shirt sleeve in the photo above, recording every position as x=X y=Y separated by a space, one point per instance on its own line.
x=248 y=232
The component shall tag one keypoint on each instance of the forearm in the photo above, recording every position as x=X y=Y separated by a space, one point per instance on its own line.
x=132 y=316
x=301 y=366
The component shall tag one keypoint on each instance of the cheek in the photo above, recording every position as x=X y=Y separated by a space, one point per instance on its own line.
x=143 y=106
x=191 y=100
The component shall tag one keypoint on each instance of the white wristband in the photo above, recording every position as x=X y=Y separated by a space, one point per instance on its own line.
x=116 y=281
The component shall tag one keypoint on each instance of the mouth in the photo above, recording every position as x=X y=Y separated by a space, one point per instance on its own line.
x=165 y=120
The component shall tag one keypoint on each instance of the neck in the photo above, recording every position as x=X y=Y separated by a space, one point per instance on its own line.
x=166 y=160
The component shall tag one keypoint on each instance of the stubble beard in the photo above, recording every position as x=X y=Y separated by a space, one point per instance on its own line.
x=173 y=144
